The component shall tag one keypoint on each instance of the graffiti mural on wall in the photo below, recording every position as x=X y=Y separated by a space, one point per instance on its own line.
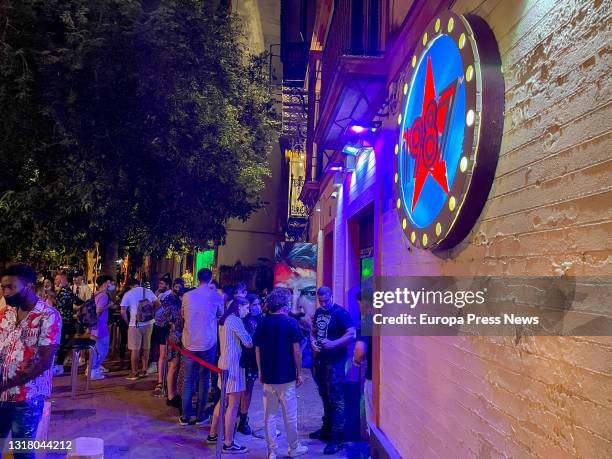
x=295 y=268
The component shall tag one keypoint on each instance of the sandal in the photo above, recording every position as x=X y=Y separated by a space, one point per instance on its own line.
x=158 y=390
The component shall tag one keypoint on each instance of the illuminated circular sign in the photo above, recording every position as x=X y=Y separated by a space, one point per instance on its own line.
x=450 y=130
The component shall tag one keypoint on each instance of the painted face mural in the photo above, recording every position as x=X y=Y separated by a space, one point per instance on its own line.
x=448 y=142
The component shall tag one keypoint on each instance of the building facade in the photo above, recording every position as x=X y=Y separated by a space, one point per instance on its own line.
x=248 y=241
x=548 y=213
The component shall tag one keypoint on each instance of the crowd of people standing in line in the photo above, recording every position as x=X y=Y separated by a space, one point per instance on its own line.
x=230 y=328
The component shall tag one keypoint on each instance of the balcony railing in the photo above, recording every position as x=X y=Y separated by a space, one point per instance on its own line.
x=296 y=208
x=354 y=31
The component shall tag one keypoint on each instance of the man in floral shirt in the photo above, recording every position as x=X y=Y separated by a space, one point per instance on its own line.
x=30 y=332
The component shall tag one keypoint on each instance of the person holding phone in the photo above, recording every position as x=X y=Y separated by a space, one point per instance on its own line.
x=333 y=331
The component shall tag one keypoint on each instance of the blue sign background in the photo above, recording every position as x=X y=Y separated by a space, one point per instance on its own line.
x=447 y=66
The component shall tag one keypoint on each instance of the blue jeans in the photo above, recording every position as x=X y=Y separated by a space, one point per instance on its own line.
x=194 y=370
x=21 y=420
x=102 y=345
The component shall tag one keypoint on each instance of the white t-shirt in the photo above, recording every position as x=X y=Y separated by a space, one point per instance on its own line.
x=130 y=300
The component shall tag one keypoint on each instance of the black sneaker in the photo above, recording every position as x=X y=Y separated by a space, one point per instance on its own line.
x=212 y=439
x=245 y=429
x=183 y=421
x=176 y=402
x=320 y=435
x=333 y=448
x=234 y=449
x=243 y=426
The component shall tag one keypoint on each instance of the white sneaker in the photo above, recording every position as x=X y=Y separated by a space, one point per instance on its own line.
x=104 y=370
x=301 y=449
x=57 y=370
x=152 y=368
x=96 y=375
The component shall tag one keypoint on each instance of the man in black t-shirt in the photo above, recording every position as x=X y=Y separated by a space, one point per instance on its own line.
x=332 y=332
x=279 y=359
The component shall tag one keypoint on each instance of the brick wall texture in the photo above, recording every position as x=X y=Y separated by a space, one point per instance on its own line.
x=549 y=213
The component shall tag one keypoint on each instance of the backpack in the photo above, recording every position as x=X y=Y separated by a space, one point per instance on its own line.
x=87 y=315
x=167 y=312
x=145 y=310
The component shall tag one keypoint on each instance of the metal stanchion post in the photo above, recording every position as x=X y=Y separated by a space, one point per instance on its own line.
x=165 y=373
x=113 y=348
x=116 y=340
x=220 y=423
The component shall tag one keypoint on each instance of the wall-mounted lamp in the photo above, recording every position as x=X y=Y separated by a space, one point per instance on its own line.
x=351 y=149
x=361 y=128
x=334 y=167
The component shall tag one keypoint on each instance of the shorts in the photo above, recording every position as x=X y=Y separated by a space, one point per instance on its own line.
x=159 y=335
x=140 y=337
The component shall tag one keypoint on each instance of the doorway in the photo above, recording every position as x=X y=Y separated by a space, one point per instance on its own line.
x=360 y=277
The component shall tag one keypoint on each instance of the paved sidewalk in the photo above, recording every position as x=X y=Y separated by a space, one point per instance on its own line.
x=134 y=424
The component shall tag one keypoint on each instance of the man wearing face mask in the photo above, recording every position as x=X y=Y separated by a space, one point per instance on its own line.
x=25 y=362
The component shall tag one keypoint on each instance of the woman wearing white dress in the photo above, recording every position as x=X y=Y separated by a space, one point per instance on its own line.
x=231 y=334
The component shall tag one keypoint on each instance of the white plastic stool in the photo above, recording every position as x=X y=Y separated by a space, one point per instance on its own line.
x=77 y=346
x=87 y=448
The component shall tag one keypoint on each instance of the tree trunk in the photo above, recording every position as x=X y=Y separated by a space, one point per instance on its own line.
x=90 y=266
x=110 y=253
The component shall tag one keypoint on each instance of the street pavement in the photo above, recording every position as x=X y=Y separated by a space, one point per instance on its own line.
x=134 y=424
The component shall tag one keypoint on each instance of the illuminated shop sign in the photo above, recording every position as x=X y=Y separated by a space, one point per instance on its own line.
x=450 y=130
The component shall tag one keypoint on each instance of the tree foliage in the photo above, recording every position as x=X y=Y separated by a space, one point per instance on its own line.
x=146 y=123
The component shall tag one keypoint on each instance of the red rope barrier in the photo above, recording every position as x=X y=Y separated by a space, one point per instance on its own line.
x=194 y=357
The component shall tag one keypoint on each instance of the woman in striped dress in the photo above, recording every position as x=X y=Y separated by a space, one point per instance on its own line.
x=231 y=334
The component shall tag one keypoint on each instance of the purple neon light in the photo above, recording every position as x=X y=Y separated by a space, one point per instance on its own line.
x=358 y=129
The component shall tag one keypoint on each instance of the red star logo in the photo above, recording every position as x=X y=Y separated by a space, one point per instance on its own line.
x=426 y=138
